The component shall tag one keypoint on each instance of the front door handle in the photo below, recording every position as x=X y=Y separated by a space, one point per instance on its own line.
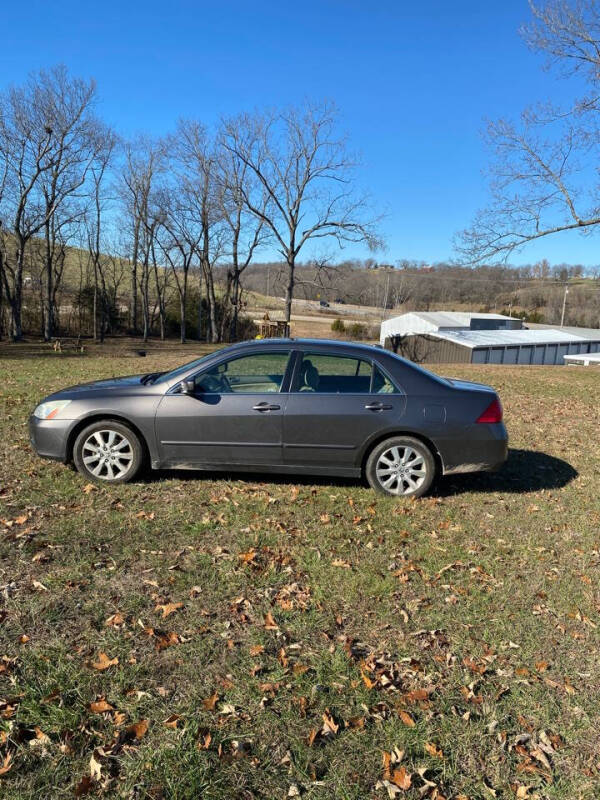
x=377 y=407
x=265 y=407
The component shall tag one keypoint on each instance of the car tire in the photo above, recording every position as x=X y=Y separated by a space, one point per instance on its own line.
x=401 y=466
x=108 y=452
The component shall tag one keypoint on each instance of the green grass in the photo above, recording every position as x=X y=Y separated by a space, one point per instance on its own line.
x=319 y=614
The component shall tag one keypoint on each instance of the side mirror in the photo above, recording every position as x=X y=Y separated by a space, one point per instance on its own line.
x=188 y=387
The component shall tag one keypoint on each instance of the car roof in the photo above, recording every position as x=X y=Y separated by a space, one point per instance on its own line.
x=306 y=343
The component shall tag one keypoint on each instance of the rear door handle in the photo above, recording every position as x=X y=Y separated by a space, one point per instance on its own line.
x=378 y=407
x=265 y=407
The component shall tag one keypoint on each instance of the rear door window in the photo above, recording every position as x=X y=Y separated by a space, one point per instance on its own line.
x=381 y=383
x=333 y=374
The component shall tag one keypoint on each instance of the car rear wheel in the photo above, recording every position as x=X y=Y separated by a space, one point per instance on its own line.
x=401 y=467
x=108 y=452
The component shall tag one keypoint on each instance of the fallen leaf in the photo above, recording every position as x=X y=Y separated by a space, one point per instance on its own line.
x=401 y=778
x=114 y=620
x=270 y=623
x=138 y=729
x=164 y=640
x=204 y=740
x=339 y=562
x=168 y=608
x=6 y=764
x=433 y=750
x=247 y=558
x=407 y=719
x=95 y=768
x=329 y=725
x=104 y=662
x=210 y=702
x=100 y=706
x=85 y=786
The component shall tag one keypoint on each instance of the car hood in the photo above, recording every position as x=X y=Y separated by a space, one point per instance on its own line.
x=108 y=384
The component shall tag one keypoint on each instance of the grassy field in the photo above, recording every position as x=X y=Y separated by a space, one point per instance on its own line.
x=197 y=636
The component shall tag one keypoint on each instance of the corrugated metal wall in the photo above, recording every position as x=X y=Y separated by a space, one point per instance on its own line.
x=425 y=349
x=549 y=354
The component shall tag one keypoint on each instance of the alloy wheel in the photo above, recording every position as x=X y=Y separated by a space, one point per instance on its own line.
x=107 y=454
x=401 y=470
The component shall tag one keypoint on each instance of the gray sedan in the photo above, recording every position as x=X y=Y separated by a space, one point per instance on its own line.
x=281 y=406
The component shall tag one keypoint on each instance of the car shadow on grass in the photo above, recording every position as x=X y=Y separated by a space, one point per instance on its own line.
x=524 y=471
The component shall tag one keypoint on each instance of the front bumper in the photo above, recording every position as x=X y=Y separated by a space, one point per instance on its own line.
x=49 y=437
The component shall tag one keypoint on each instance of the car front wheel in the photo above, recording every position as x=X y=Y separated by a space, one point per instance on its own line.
x=401 y=467
x=108 y=452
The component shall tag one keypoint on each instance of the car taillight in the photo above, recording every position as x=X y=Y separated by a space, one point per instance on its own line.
x=493 y=412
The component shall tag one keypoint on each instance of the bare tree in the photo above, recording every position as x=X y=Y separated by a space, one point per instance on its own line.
x=94 y=228
x=3 y=245
x=178 y=241
x=142 y=169
x=541 y=182
x=306 y=172
x=65 y=105
x=27 y=154
x=196 y=160
x=247 y=231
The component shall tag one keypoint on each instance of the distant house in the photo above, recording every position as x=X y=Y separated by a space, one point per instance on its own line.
x=468 y=337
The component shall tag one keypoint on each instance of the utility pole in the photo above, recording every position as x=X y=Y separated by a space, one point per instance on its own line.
x=564 y=305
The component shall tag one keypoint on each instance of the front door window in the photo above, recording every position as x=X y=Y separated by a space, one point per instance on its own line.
x=255 y=374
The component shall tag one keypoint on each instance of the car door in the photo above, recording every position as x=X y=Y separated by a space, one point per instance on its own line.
x=336 y=403
x=234 y=417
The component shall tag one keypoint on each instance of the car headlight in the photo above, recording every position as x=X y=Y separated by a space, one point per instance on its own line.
x=51 y=409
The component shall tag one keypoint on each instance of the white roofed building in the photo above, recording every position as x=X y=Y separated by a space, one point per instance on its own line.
x=431 y=321
x=465 y=337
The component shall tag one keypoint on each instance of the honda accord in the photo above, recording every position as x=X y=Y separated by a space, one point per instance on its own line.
x=279 y=406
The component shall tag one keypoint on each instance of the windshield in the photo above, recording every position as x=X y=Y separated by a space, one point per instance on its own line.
x=175 y=373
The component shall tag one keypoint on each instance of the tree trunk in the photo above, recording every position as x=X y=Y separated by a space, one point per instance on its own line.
x=235 y=303
x=2 y=279
x=49 y=293
x=145 y=301
x=289 y=296
x=16 y=297
x=133 y=307
x=182 y=331
x=95 y=309
x=212 y=306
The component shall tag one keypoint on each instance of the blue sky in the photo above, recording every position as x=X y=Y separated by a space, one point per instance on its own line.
x=414 y=82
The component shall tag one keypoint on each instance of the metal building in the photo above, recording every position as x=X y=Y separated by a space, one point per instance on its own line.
x=494 y=346
x=415 y=322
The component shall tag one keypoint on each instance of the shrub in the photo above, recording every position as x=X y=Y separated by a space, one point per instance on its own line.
x=337 y=326
x=358 y=331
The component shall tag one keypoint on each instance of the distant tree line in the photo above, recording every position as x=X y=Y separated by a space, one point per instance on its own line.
x=166 y=236
x=534 y=291
x=95 y=227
